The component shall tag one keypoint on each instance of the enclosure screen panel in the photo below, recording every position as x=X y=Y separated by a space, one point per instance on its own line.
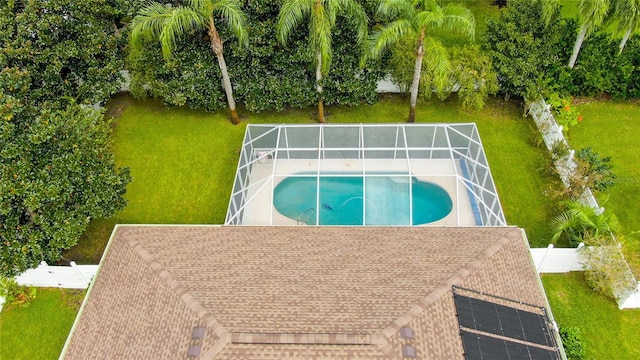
x=480 y=347
x=502 y=320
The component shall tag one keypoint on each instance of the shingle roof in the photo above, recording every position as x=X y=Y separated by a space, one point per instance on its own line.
x=294 y=292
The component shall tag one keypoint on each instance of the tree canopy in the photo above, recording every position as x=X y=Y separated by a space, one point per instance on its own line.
x=526 y=52
x=59 y=58
x=56 y=174
x=266 y=74
x=70 y=49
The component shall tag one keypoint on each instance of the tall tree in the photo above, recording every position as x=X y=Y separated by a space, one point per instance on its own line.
x=420 y=21
x=322 y=15
x=591 y=15
x=627 y=13
x=168 y=24
x=57 y=173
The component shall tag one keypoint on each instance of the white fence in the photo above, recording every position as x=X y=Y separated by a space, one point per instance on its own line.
x=68 y=277
x=552 y=260
x=552 y=135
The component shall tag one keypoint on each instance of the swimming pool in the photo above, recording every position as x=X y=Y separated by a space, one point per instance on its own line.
x=356 y=200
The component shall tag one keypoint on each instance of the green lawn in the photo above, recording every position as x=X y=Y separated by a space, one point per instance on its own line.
x=39 y=330
x=183 y=161
x=607 y=332
x=613 y=129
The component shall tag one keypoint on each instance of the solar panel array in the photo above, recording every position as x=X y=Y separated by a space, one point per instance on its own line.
x=493 y=331
x=478 y=346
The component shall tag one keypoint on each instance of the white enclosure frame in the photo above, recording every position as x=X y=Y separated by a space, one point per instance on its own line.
x=365 y=146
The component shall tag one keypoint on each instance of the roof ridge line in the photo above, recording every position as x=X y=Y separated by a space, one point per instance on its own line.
x=447 y=285
x=223 y=335
x=301 y=338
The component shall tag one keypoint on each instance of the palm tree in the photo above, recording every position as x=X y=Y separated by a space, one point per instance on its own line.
x=168 y=24
x=592 y=14
x=417 y=20
x=627 y=12
x=579 y=221
x=321 y=15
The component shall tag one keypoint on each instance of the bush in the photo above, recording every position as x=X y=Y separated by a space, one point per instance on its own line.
x=595 y=170
x=606 y=270
x=564 y=112
x=15 y=294
x=591 y=172
x=579 y=223
x=266 y=75
x=527 y=55
x=572 y=342
x=602 y=71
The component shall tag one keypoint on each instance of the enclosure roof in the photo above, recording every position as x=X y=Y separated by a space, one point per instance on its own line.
x=308 y=292
x=447 y=154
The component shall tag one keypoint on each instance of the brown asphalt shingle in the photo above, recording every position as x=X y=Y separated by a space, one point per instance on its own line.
x=294 y=292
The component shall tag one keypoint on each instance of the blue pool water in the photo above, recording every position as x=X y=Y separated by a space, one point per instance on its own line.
x=341 y=200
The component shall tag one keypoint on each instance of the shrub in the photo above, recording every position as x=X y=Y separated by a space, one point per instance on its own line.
x=591 y=172
x=15 y=294
x=572 y=342
x=606 y=270
x=595 y=169
x=578 y=222
x=526 y=54
x=266 y=75
x=564 y=112
x=601 y=70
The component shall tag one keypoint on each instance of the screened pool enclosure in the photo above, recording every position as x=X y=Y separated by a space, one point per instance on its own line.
x=374 y=174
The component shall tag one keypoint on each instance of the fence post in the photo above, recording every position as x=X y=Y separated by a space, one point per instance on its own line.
x=541 y=264
x=79 y=273
x=51 y=273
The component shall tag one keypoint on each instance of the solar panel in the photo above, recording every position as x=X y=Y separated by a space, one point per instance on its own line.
x=480 y=347
x=502 y=320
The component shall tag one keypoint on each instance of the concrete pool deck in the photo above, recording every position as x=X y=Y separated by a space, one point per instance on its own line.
x=265 y=175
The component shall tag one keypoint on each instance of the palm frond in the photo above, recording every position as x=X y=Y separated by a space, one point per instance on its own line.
x=231 y=11
x=397 y=9
x=292 y=14
x=198 y=5
x=436 y=58
x=320 y=35
x=549 y=8
x=627 y=13
x=352 y=10
x=593 y=13
x=388 y=36
x=148 y=23
x=182 y=21
x=454 y=18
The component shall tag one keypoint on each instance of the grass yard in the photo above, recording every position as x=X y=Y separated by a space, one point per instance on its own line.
x=607 y=332
x=613 y=129
x=39 y=330
x=183 y=161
